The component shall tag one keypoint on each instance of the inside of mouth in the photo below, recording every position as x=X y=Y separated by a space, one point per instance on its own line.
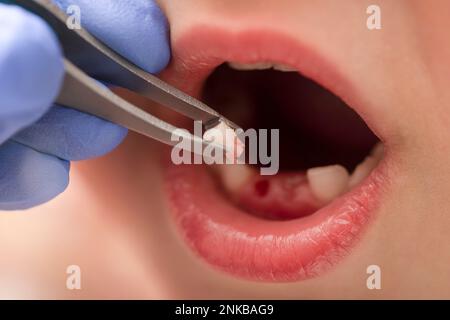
x=316 y=128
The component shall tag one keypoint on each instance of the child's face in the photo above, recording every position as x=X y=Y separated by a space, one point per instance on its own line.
x=400 y=84
x=396 y=78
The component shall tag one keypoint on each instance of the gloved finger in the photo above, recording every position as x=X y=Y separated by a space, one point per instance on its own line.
x=137 y=30
x=28 y=177
x=31 y=69
x=72 y=135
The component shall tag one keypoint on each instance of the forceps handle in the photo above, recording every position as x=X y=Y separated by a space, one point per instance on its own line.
x=90 y=96
x=102 y=63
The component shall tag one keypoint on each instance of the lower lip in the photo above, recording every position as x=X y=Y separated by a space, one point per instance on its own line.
x=242 y=244
x=268 y=250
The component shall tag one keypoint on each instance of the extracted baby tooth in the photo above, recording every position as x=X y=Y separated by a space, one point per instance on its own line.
x=362 y=170
x=225 y=136
x=377 y=151
x=250 y=66
x=284 y=68
x=233 y=176
x=328 y=182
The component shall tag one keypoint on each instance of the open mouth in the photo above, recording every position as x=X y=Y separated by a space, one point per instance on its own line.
x=333 y=166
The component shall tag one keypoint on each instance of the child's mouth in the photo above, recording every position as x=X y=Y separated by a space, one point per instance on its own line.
x=297 y=224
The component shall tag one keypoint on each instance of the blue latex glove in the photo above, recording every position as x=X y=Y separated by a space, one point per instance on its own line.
x=34 y=156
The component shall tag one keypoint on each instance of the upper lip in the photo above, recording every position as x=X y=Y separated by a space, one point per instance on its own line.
x=289 y=250
x=199 y=50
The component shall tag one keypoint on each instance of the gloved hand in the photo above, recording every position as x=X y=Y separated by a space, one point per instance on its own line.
x=34 y=156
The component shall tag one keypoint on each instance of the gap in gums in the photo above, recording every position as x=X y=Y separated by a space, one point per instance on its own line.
x=317 y=130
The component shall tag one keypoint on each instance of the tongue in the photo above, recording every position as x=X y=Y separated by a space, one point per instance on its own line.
x=280 y=197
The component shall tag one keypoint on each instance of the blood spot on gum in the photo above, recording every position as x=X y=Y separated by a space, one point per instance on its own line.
x=281 y=197
x=262 y=187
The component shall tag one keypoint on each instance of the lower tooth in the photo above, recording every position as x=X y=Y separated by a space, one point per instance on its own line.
x=377 y=151
x=362 y=170
x=328 y=182
x=234 y=176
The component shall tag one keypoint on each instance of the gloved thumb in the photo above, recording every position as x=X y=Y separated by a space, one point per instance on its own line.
x=31 y=69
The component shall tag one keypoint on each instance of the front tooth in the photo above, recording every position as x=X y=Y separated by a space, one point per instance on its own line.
x=328 y=182
x=362 y=170
x=250 y=66
x=284 y=68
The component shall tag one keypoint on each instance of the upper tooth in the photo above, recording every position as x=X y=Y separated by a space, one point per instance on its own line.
x=362 y=170
x=328 y=182
x=250 y=66
x=261 y=66
x=284 y=68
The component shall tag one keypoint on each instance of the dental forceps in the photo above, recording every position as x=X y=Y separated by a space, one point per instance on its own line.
x=86 y=56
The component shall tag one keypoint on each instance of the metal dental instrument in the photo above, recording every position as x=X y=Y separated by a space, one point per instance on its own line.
x=85 y=56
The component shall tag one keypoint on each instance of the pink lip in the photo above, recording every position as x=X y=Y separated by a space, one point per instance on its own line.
x=231 y=239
